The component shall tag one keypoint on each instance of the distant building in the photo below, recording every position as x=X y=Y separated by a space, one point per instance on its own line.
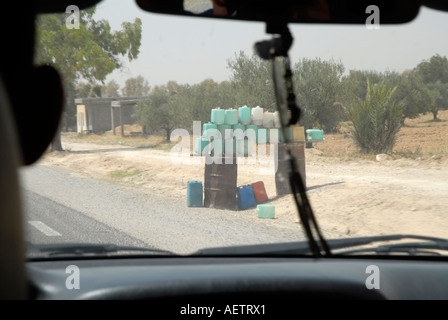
x=98 y=115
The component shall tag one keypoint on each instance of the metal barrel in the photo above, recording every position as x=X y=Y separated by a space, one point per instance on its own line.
x=220 y=179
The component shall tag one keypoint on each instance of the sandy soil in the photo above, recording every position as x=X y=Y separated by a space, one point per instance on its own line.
x=350 y=196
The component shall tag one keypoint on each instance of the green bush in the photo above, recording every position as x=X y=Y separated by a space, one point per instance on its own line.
x=376 y=119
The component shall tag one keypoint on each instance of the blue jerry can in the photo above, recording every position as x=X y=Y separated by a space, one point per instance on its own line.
x=194 y=194
x=246 y=197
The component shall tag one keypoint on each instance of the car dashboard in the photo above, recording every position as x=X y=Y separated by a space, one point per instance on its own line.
x=223 y=281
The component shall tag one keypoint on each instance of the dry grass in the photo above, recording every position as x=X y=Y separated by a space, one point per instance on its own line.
x=419 y=138
x=129 y=172
x=135 y=141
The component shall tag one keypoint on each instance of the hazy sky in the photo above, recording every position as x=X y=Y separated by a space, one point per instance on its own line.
x=189 y=50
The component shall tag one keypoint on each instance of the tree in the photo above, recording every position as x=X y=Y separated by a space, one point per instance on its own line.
x=110 y=90
x=158 y=111
x=87 y=90
x=434 y=73
x=206 y=96
x=434 y=70
x=413 y=91
x=354 y=87
x=251 y=81
x=438 y=93
x=135 y=87
x=318 y=86
x=377 y=119
x=89 y=53
x=195 y=102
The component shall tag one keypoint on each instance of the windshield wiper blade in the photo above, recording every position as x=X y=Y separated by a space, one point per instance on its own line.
x=354 y=242
x=90 y=248
x=302 y=247
x=411 y=248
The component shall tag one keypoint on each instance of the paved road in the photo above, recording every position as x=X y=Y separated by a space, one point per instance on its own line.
x=67 y=225
x=61 y=207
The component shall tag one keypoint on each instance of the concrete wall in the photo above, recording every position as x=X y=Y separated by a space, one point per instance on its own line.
x=100 y=118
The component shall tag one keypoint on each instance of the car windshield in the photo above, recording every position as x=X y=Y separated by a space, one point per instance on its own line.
x=170 y=141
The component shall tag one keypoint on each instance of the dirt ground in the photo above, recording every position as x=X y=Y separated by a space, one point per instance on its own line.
x=352 y=194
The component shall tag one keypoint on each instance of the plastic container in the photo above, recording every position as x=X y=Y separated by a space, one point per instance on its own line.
x=217 y=147
x=226 y=131
x=246 y=197
x=276 y=119
x=252 y=132
x=242 y=148
x=268 y=119
x=257 y=116
x=259 y=192
x=244 y=115
x=314 y=135
x=201 y=146
x=280 y=134
x=239 y=148
x=194 y=194
x=208 y=126
x=250 y=147
x=231 y=116
x=298 y=133
x=229 y=147
x=266 y=211
x=238 y=135
x=274 y=135
x=262 y=135
x=218 y=116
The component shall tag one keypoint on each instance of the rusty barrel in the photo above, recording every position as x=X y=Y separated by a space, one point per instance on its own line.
x=220 y=179
x=282 y=173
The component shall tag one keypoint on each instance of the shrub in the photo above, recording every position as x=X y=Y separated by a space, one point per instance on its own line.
x=376 y=119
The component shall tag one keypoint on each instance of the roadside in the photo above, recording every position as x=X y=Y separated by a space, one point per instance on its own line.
x=351 y=197
x=78 y=210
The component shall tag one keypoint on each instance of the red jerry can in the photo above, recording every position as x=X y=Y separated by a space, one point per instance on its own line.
x=259 y=192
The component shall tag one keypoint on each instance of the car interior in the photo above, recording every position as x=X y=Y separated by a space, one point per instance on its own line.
x=270 y=279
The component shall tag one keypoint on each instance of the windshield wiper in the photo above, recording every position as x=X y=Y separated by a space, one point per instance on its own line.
x=302 y=247
x=90 y=248
x=276 y=50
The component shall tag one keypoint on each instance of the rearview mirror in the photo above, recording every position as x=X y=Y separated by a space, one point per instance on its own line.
x=291 y=11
